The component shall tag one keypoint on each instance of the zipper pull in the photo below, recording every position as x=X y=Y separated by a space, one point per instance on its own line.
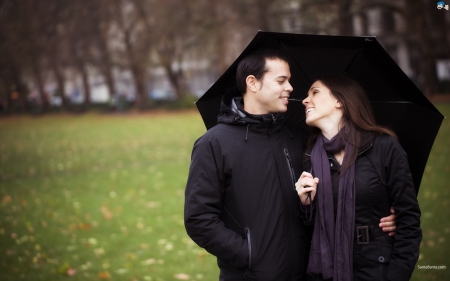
x=274 y=119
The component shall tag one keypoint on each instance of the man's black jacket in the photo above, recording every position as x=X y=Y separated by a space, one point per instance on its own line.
x=241 y=204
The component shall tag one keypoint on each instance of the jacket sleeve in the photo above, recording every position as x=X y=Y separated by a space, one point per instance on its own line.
x=203 y=206
x=404 y=200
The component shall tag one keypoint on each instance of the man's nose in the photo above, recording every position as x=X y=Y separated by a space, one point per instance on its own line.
x=289 y=87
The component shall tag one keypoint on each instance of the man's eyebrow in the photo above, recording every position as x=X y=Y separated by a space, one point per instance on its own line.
x=282 y=76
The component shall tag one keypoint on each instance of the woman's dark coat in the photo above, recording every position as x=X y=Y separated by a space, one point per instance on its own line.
x=241 y=204
x=382 y=180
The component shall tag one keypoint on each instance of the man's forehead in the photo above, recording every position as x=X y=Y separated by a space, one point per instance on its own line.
x=276 y=61
x=275 y=66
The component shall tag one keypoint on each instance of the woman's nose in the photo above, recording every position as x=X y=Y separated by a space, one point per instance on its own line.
x=305 y=101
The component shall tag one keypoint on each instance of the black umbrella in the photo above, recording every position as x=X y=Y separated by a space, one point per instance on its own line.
x=396 y=101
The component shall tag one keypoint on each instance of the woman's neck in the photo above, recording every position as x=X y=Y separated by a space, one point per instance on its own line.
x=330 y=126
x=329 y=129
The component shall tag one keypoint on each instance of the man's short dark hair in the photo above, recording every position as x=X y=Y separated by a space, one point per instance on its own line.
x=255 y=64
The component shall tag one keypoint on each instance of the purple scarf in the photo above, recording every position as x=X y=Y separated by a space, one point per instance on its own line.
x=332 y=243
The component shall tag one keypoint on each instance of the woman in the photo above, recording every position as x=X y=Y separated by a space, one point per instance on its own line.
x=363 y=171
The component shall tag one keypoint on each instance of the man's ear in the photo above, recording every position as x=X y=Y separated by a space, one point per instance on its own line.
x=252 y=83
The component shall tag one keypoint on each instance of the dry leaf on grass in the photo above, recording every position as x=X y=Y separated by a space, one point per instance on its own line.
x=181 y=276
x=104 y=275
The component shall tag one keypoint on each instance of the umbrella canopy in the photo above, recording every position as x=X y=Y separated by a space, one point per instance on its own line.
x=397 y=102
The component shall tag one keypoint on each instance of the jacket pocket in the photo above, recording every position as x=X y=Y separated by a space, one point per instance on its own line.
x=371 y=262
x=377 y=253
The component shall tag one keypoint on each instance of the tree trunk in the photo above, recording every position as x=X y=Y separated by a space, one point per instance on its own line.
x=5 y=97
x=344 y=21
x=139 y=81
x=176 y=80
x=138 y=73
x=18 y=86
x=101 y=36
x=37 y=72
x=60 y=81
x=86 y=86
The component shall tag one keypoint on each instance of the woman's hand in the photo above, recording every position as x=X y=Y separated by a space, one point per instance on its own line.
x=388 y=223
x=306 y=183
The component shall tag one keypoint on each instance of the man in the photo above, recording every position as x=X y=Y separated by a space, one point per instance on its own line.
x=241 y=203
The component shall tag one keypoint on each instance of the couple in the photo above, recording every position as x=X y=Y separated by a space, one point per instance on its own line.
x=243 y=203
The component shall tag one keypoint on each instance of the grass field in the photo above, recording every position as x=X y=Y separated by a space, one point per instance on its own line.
x=100 y=197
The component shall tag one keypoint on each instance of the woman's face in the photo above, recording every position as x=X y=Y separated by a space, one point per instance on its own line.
x=322 y=108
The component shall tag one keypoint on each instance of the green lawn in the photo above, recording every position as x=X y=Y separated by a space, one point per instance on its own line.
x=98 y=197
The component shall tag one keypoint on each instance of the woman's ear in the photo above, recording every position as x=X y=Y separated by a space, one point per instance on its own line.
x=338 y=104
x=251 y=82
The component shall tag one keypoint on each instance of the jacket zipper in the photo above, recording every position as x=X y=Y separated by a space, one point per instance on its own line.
x=291 y=170
x=288 y=226
x=249 y=243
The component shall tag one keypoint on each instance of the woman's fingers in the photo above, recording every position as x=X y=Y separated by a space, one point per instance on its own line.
x=307 y=182
x=303 y=190
x=305 y=175
x=303 y=193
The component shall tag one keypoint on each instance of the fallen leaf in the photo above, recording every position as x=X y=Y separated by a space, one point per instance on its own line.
x=181 y=276
x=71 y=272
x=106 y=213
x=7 y=199
x=131 y=256
x=104 y=275
x=99 y=252
x=149 y=262
x=85 y=226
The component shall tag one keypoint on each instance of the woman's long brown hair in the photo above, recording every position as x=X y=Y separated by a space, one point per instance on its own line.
x=358 y=118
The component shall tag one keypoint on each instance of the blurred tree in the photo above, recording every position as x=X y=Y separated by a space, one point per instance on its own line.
x=56 y=14
x=136 y=44
x=10 y=70
x=30 y=13
x=42 y=41
x=176 y=28
x=102 y=15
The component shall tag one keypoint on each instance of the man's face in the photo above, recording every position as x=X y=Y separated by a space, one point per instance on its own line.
x=273 y=89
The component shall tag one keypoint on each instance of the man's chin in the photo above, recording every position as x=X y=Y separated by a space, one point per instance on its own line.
x=282 y=109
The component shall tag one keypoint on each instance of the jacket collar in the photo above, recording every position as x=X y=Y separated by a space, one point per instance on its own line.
x=232 y=112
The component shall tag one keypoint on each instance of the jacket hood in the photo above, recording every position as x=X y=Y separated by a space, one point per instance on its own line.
x=232 y=112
